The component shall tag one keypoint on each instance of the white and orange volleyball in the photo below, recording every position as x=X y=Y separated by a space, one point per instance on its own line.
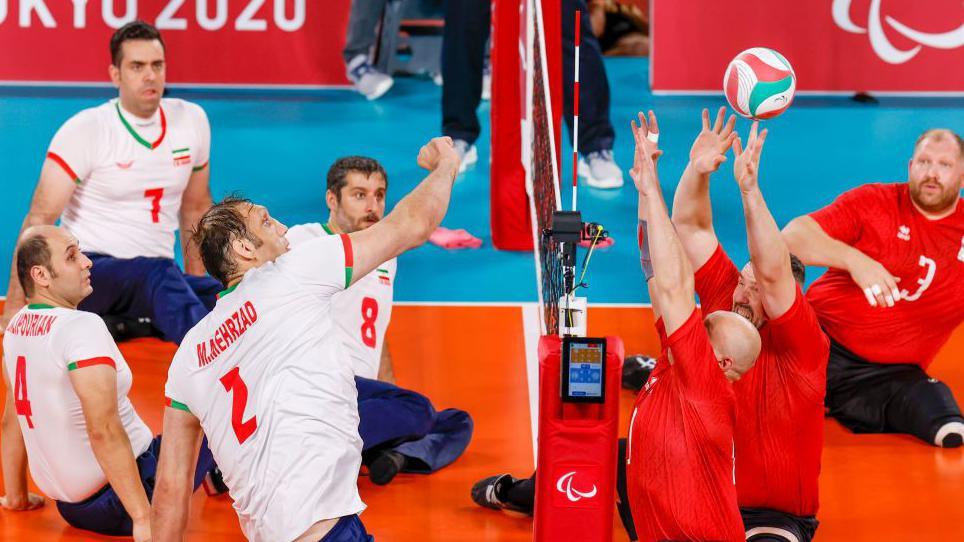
x=759 y=83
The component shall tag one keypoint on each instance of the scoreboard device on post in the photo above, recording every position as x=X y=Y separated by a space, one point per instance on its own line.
x=583 y=370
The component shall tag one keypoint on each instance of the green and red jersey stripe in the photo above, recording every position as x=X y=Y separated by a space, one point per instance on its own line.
x=141 y=140
x=63 y=165
x=199 y=168
x=103 y=360
x=349 y=258
x=171 y=403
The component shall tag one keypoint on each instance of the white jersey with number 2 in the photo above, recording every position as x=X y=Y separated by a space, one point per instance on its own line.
x=363 y=311
x=264 y=373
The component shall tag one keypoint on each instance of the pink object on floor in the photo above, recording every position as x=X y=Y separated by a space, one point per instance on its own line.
x=602 y=243
x=453 y=239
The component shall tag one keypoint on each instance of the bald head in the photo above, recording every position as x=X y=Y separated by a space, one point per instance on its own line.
x=735 y=341
x=51 y=266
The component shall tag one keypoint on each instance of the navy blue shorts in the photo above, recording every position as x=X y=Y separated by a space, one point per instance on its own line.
x=154 y=288
x=348 y=529
x=103 y=511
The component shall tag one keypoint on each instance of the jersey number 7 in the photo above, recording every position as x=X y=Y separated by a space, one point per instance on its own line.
x=20 y=402
x=233 y=384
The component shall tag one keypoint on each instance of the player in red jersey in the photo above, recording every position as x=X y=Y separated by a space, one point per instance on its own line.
x=680 y=468
x=780 y=402
x=893 y=293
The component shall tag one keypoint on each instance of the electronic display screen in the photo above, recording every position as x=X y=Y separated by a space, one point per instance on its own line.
x=583 y=373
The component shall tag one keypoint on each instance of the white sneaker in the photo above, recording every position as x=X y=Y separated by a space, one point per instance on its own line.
x=468 y=154
x=368 y=81
x=600 y=170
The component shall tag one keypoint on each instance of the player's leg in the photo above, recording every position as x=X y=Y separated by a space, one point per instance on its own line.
x=389 y=416
x=858 y=391
x=506 y=492
x=115 y=282
x=445 y=442
x=765 y=525
x=463 y=57
x=206 y=289
x=167 y=297
x=925 y=407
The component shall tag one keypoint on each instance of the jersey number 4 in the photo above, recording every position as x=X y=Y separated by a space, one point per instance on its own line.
x=155 y=194
x=233 y=384
x=20 y=402
x=369 y=313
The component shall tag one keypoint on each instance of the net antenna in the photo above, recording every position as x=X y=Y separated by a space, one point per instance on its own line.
x=575 y=113
x=541 y=167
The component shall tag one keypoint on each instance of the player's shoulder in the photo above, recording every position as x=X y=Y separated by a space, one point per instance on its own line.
x=304 y=232
x=183 y=109
x=79 y=323
x=883 y=192
x=86 y=121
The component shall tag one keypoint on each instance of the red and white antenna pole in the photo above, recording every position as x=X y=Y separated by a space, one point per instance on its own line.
x=575 y=116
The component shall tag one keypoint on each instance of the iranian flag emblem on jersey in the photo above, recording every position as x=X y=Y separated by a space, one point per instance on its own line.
x=182 y=156
x=383 y=277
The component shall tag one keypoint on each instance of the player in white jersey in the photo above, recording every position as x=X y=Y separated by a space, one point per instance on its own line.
x=67 y=410
x=400 y=429
x=264 y=375
x=123 y=177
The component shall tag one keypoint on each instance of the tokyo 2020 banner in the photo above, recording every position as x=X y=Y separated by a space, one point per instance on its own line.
x=209 y=42
x=884 y=46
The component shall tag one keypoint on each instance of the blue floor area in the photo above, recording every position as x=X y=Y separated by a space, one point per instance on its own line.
x=275 y=148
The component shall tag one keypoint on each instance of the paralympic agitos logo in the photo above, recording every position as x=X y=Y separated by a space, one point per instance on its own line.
x=878 y=39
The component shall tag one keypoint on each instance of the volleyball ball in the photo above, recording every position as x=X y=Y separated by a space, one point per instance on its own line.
x=759 y=83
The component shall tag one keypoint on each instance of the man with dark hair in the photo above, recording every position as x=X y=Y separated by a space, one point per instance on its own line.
x=67 y=411
x=124 y=177
x=265 y=377
x=893 y=293
x=400 y=429
x=778 y=436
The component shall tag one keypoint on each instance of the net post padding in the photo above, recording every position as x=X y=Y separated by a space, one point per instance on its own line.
x=509 y=208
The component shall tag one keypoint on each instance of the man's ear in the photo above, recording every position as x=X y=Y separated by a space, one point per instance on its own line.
x=243 y=248
x=726 y=363
x=40 y=276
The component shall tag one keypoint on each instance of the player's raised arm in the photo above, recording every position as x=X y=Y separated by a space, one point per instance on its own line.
x=672 y=285
x=415 y=217
x=171 y=504
x=769 y=255
x=50 y=197
x=13 y=453
x=692 y=211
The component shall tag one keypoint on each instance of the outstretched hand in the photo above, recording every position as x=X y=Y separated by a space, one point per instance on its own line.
x=710 y=146
x=646 y=136
x=746 y=167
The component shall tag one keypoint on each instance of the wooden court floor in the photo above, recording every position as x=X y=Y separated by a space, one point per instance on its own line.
x=873 y=488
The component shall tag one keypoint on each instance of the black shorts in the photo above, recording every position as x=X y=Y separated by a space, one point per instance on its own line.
x=763 y=524
x=868 y=397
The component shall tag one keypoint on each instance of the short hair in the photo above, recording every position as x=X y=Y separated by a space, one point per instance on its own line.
x=134 y=30
x=338 y=172
x=31 y=252
x=940 y=134
x=798 y=269
x=221 y=225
